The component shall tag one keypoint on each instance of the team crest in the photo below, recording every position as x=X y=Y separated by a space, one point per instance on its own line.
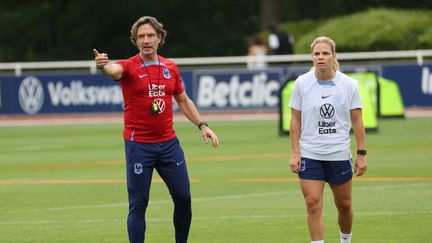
x=138 y=168
x=166 y=73
x=303 y=166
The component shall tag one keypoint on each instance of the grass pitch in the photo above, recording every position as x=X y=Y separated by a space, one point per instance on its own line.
x=67 y=184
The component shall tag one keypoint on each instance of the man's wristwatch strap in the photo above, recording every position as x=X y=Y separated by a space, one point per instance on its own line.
x=203 y=123
x=361 y=152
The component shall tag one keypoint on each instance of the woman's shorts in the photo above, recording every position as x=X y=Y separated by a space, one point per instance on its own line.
x=333 y=172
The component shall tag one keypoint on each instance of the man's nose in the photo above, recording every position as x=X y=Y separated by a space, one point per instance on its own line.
x=146 y=39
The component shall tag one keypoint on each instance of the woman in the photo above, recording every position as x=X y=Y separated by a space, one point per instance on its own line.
x=257 y=54
x=325 y=104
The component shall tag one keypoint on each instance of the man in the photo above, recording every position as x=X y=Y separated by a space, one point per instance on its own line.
x=280 y=42
x=149 y=82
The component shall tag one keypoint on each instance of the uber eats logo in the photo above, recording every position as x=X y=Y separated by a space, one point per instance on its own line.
x=327 y=111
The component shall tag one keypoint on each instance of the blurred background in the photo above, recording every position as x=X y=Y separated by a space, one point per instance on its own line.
x=235 y=56
x=46 y=30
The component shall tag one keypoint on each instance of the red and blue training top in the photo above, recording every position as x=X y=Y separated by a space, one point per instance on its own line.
x=142 y=84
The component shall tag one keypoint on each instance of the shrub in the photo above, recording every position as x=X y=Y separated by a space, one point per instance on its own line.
x=374 y=30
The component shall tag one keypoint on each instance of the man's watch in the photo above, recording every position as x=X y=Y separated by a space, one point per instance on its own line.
x=361 y=151
x=203 y=123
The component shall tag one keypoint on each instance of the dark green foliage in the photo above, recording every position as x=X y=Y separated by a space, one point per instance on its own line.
x=375 y=30
x=47 y=30
x=70 y=29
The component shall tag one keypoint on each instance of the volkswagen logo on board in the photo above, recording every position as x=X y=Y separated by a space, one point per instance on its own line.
x=31 y=95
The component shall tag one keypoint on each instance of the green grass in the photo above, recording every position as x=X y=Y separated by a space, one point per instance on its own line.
x=223 y=210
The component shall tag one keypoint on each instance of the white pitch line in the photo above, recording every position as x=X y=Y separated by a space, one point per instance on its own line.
x=393 y=213
x=32 y=148
x=168 y=219
x=215 y=198
x=357 y=187
x=202 y=199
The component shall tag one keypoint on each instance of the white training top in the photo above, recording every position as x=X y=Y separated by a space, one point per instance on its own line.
x=325 y=115
x=273 y=41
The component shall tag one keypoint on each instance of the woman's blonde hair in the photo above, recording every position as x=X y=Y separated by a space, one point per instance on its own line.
x=332 y=44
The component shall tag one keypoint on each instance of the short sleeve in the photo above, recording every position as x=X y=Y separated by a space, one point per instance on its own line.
x=125 y=68
x=295 y=101
x=356 y=99
x=178 y=81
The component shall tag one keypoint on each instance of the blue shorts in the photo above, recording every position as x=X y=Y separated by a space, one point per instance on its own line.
x=333 y=172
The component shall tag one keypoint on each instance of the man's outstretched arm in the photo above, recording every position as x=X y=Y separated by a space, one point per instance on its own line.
x=111 y=70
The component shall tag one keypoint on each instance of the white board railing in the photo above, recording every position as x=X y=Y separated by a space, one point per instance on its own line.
x=418 y=55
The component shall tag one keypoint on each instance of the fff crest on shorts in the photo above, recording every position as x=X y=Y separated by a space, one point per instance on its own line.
x=138 y=168
x=166 y=73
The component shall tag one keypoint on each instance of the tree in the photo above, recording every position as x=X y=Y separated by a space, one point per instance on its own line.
x=70 y=29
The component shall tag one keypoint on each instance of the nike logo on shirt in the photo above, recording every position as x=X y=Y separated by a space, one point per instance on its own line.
x=142 y=76
x=179 y=163
x=324 y=97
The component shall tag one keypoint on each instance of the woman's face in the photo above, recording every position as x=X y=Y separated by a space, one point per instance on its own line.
x=322 y=56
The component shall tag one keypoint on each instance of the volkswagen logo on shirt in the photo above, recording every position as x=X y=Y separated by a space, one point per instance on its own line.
x=31 y=95
x=327 y=111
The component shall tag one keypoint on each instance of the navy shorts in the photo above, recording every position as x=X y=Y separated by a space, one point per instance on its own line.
x=333 y=172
